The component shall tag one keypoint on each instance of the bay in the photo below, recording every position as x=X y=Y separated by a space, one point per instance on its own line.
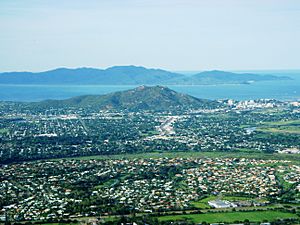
x=281 y=90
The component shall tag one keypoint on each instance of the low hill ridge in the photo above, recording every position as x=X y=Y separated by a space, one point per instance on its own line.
x=128 y=75
x=154 y=98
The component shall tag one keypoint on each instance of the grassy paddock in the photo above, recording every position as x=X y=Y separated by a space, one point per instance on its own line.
x=247 y=154
x=232 y=217
x=292 y=127
x=202 y=204
x=280 y=123
x=281 y=129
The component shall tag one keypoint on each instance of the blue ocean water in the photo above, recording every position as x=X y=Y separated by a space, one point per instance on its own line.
x=281 y=90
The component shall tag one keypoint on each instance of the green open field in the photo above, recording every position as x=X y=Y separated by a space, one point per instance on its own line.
x=202 y=204
x=281 y=129
x=280 y=123
x=291 y=127
x=232 y=216
x=235 y=154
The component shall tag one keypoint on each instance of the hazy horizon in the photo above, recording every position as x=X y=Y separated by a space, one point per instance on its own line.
x=297 y=71
x=174 y=35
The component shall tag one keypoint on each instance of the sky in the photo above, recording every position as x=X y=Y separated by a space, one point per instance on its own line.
x=38 y=35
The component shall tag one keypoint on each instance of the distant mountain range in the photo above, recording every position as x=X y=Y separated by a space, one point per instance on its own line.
x=154 y=98
x=129 y=75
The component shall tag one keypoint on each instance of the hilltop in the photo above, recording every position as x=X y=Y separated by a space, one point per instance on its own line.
x=156 y=98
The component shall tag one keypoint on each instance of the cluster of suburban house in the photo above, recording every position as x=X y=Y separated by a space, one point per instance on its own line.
x=48 y=189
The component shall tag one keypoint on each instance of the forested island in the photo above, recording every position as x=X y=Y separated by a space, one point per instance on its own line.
x=131 y=75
